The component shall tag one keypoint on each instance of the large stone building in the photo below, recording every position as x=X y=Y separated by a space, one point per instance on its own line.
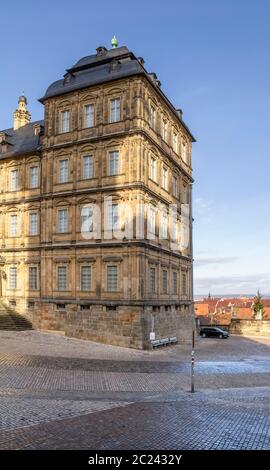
x=109 y=132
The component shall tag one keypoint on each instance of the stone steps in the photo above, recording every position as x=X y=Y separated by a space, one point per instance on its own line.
x=13 y=321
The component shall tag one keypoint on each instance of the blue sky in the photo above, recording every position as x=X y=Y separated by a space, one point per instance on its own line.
x=212 y=57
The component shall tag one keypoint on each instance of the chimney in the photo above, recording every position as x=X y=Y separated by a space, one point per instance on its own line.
x=180 y=113
x=21 y=116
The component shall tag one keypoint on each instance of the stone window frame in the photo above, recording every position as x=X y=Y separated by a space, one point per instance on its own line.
x=163 y=270
x=184 y=275
x=64 y=109
x=165 y=169
x=112 y=97
x=14 y=168
x=152 y=157
x=29 y=167
x=62 y=265
x=84 y=105
x=58 y=209
x=116 y=264
x=18 y=232
x=175 y=292
x=152 y=115
x=152 y=268
x=58 y=163
x=34 y=265
x=15 y=267
x=33 y=211
x=91 y=266
x=110 y=151
x=83 y=156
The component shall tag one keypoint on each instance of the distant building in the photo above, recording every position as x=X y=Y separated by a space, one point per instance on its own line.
x=222 y=311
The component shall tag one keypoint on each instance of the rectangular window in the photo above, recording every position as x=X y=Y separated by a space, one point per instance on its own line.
x=152 y=117
x=63 y=221
x=113 y=217
x=62 y=278
x=164 y=281
x=174 y=230
x=89 y=117
x=63 y=171
x=65 y=122
x=175 y=282
x=86 y=278
x=88 y=167
x=87 y=219
x=164 y=129
x=13 y=228
x=184 y=152
x=112 y=278
x=165 y=178
x=14 y=180
x=152 y=221
x=175 y=142
x=33 y=177
x=33 y=278
x=113 y=163
x=164 y=225
x=115 y=110
x=175 y=186
x=33 y=224
x=153 y=169
x=13 y=278
x=184 y=283
x=152 y=280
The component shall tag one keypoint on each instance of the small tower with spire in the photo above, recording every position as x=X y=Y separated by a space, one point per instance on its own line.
x=21 y=116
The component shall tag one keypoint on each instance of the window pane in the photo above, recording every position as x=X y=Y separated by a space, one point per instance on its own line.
x=113 y=217
x=89 y=115
x=87 y=167
x=115 y=110
x=63 y=220
x=33 y=177
x=14 y=180
x=87 y=219
x=112 y=278
x=152 y=117
x=152 y=221
x=184 y=283
x=63 y=171
x=33 y=285
x=113 y=163
x=86 y=277
x=65 y=121
x=33 y=224
x=164 y=281
x=13 y=225
x=175 y=282
x=62 y=278
x=152 y=280
x=164 y=225
x=13 y=278
x=153 y=169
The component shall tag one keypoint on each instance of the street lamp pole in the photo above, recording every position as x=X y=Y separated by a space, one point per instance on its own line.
x=193 y=320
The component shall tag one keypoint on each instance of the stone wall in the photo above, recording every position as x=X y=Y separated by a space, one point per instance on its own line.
x=250 y=327
x=127 y=326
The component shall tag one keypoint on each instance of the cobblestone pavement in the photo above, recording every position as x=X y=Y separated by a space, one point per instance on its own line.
x=58 y=392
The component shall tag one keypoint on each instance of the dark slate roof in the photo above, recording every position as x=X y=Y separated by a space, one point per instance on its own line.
x=22 y=141
x=101 y=68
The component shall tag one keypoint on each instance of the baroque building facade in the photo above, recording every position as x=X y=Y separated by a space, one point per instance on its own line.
x=110 y=139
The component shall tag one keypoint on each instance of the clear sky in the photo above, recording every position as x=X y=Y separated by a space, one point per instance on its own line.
x=212 y=57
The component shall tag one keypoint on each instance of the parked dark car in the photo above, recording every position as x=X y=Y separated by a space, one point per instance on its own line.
x=214 y=332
